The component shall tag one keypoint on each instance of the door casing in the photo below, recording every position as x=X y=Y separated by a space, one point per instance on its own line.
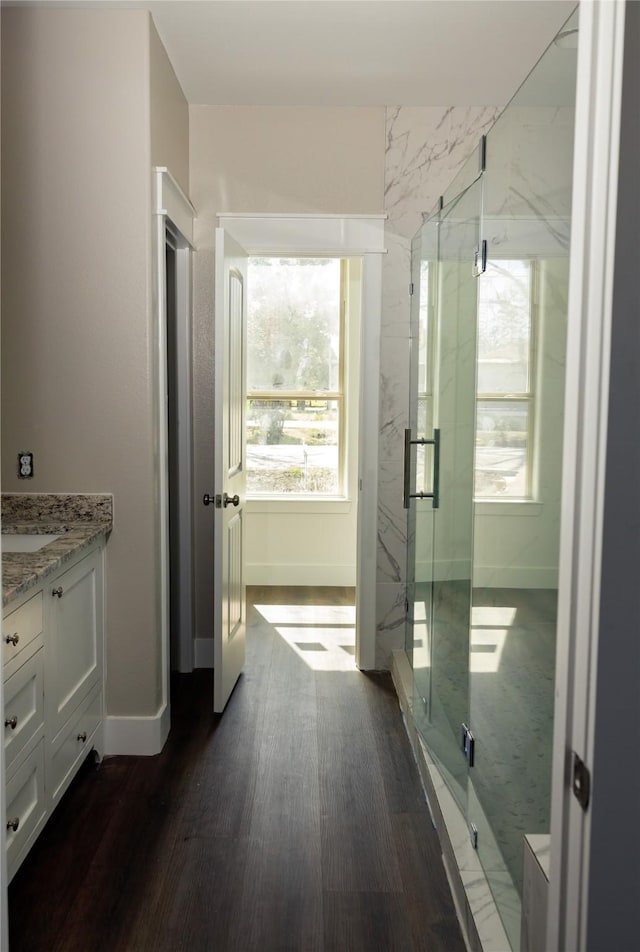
x=342 y=236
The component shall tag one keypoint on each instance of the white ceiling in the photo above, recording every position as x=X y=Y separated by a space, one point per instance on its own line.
x=352 y=52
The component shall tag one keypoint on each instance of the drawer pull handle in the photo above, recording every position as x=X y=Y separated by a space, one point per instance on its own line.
x=13 y=824
x=11 y=722
x=82 y=736
x=12 y=639
x=59 y=591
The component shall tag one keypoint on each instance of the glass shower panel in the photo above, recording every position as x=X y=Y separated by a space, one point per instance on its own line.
x=419 y=467
x=443 y=380
x=454 y=415
x=521 y=367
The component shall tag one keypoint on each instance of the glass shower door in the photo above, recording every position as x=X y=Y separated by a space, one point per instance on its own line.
x=440 y=493
x=418 y=466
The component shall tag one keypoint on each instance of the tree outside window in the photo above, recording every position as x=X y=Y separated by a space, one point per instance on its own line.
x=295 y=373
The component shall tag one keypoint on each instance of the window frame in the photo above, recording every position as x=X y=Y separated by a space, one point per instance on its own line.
x=338 y=396
x=528 y=398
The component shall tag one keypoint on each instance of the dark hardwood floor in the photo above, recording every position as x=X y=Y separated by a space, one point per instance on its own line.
x=295 y=821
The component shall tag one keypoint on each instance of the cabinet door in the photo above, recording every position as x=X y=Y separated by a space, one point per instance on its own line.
x=19 y=630
x=23 y=708
x=25 y=810
x=74 y=645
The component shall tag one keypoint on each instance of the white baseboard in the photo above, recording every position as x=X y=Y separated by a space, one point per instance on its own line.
x=449 y=570
x=514 y=576
x=258 y=573
x=144 y=736
x=203 y=653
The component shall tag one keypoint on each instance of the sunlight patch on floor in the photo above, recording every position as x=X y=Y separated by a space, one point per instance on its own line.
x=323 y=636
x=308 y=614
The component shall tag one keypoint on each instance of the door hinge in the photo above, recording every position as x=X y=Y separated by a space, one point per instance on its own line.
x=411 y=289
x=406 y=606
x=473 y=835
x=468 y=744
x=581 y=781
x=480 y=259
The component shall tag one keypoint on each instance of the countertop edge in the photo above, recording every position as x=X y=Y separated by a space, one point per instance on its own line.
x=22 y=571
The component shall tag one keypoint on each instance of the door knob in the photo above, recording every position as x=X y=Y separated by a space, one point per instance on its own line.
x=220 y=501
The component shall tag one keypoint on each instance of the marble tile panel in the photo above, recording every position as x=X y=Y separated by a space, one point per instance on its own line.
x=486 y=918
x=416 y=144
x=390 y=614
x=394 y=397
x=426 y=148
x=392 y=524
x=396 y=276
x=540 y=844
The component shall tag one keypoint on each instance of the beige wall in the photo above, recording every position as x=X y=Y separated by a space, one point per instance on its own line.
x=276 y=160
x=169 y=115
x=76 y=355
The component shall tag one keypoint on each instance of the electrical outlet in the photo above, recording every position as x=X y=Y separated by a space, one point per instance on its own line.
x=25 y=465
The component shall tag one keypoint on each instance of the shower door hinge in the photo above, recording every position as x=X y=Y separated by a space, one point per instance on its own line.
x=411 y=289
x=468 y=744
x=581 y=781
x=482 y=163
x=473 y=835
x=480 y=259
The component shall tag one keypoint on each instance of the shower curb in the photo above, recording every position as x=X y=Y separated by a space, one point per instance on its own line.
x=477 y=912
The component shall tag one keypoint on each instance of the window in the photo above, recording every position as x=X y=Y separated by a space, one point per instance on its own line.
x=295 y=377
x=505 y=402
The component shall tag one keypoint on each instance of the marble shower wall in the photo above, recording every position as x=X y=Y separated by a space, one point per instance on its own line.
x=425 y=148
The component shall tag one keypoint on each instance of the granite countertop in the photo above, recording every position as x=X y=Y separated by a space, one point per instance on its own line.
x=79 y=519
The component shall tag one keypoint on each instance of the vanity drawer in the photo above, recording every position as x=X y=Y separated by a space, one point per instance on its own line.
x=20 y=627
x=25 y=807
x=71 y=746
x=23 y=706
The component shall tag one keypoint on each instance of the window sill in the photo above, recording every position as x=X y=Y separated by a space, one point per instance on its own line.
x=298 y=504
x=508 y=507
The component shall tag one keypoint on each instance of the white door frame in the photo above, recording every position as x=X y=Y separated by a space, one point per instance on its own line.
x=172 y=210
x=344 y=236
x=592 y=259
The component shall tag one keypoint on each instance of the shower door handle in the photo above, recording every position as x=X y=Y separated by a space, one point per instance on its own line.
x=408 y=443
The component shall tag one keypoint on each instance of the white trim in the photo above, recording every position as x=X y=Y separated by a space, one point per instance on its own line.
x=329 y=574
x=298 y=505
x=594 y=202
x=169 y=204
x=513 y=576
x=182 y=492
x=203 y=653
x=368 y=466
x=140 y=736
x=169 y=200
x=508 y=507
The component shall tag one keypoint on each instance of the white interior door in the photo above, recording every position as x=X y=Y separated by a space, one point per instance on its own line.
x=229 y=467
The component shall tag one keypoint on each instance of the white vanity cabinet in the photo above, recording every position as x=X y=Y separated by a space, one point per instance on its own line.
x=53 y=680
